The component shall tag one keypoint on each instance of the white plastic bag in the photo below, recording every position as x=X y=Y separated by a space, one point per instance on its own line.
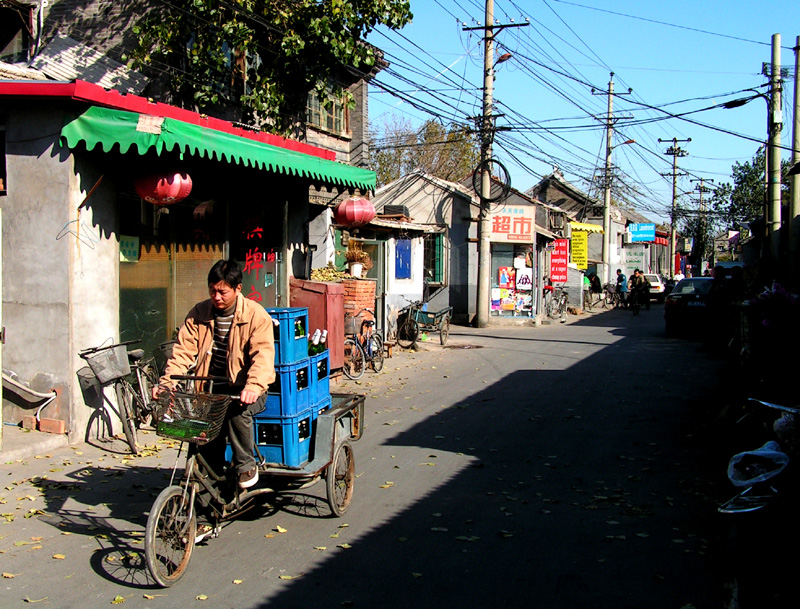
x=754 y=466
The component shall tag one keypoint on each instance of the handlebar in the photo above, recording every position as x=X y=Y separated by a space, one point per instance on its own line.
x=91 y=350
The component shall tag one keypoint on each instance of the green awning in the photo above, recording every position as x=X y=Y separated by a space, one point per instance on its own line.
x=108 y=128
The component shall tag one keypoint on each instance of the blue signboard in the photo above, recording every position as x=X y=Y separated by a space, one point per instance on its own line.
x=642 y=232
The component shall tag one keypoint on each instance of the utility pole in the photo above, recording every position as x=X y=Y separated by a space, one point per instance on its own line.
x=487 y=135
x=703 y=232
x=607 y=185
x=776 y=123
x=674 y=151
x=487 y=130
x=607 y=179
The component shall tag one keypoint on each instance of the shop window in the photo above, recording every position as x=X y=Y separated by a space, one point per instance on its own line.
x=14 y=37
x=402 y=259
x=331 y=117
x=435 y=267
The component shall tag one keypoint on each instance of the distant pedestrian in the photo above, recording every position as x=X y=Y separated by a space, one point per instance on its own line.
x=622 y=287
x=678 y=277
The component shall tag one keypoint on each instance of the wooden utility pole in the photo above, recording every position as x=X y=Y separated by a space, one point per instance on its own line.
x=674 y=151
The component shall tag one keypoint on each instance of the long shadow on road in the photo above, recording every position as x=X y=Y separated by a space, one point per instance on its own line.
x=575 y=482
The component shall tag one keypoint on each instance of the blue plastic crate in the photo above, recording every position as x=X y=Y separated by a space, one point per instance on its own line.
x=285 y=440
x=320 y=376
x=289 y=347
x=322 y=406
x=291 y=392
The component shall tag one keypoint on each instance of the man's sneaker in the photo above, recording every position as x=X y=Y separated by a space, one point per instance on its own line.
x=203 y=531
x=248 y=478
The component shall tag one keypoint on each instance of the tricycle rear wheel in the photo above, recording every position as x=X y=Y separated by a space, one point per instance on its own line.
x=169 y=537
x=444 y=330
x=340 y=478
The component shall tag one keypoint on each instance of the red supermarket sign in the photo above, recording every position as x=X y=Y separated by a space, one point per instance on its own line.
x=558 y=261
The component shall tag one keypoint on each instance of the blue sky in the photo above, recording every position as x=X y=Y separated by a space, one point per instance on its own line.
x=679 y=56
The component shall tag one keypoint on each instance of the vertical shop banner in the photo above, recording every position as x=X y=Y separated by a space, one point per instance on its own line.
x=558 y=260
x=512 y=224
x=580 y=249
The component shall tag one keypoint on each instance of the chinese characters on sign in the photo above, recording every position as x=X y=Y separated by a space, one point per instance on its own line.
x=580 y=249
x=558 y=260
x=512 y=224
x=256 y=276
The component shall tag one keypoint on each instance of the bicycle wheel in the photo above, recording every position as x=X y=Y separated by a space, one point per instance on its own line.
x=354 y=360
x=634 y=304
x=407 y=333
x=552 y=308
x=444 y=330
x=125 y=398
x=340 y=478
x=587 y=299
x=376 y=353
x=169 y=537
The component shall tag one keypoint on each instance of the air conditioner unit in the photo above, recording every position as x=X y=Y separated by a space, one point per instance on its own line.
x=395 y=210
x=626 y=239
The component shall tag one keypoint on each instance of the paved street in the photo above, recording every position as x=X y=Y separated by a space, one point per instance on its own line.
x=560 y=466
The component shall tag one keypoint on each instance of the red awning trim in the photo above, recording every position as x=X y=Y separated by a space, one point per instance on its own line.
x=95 y=95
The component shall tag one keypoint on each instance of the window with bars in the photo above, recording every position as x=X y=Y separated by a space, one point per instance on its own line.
x=434 y=251
x=331 y=118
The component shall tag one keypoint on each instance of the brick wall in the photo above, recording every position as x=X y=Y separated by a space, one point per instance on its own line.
x=359 y=294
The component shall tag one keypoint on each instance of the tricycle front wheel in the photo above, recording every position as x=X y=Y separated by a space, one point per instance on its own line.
x=407 y=333
x=340 y=478
x=170 y=535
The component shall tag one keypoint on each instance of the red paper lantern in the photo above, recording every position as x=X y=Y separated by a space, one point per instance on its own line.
x=355 y=211
x=164 y=188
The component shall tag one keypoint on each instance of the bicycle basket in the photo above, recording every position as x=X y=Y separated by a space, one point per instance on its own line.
x=110 y=363
x=352 y=324
x=190 y=417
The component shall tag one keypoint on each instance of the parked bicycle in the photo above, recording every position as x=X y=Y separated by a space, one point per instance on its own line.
x=363 y=345
x=133 y=376
x=416 y=318
x=556 y=300
x=610 y=296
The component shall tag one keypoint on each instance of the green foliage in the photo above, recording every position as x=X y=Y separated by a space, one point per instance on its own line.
x=447 y=152
x=263 y=55
x=743 y=201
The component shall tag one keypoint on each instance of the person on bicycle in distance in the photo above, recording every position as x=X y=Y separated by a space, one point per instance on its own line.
x=231 y=336
x=637 y=287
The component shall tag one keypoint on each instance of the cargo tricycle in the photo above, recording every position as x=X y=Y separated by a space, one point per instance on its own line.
x=416 y=318
x=201 y=494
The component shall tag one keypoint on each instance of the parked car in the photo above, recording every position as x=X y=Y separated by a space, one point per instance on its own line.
x=657 y=286
x=686 y=307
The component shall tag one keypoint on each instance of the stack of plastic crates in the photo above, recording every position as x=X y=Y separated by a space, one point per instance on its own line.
x=284 y=431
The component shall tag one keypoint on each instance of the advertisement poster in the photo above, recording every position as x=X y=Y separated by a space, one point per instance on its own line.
x=580 y=249
x=558 y=261
x=495 y=299
x=506 y=277
x=508 y=301
x=524 y=280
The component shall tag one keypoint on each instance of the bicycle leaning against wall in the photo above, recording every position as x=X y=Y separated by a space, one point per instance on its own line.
x=363 y=345
x=132 y=375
